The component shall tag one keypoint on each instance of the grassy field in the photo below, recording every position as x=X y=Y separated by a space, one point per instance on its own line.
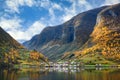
x=93 y=59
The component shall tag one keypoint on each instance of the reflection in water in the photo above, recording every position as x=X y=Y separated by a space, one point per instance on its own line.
x=60 y=74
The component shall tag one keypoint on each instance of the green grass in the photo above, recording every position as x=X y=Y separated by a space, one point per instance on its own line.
x=92 y=59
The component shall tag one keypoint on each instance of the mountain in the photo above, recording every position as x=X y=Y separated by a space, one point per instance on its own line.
x=103 y=46
x=70 y=36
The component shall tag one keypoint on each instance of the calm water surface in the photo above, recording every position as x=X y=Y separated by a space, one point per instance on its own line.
x=60 y=74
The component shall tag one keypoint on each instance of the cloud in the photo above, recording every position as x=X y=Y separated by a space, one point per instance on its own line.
x=9 y=24
x=51 y=7
x=76 y=7
x=13 y=5
x=54 y=20
x=23 y=35
x=35 y=28
x=43 y=3
x=57 y=6
x=15 y=29
x=110 y=2
x=13 y=24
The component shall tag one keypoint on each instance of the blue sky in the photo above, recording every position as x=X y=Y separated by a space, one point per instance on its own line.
x=23 y=19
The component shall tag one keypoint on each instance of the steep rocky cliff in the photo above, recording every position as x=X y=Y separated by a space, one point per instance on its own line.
x=69 y=36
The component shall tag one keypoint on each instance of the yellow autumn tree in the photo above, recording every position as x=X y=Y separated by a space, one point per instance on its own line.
x=36 y=56
x=12 y=56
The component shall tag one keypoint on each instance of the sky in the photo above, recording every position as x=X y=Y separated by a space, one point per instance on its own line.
x=23 y=19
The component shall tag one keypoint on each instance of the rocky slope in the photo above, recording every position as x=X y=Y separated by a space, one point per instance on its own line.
x=56 y=40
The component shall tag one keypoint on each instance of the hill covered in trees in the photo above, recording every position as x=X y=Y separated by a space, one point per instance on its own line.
x=12 y=52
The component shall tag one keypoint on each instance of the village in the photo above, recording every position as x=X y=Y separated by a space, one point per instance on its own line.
x=73 y=64
x=63 y=64
x=68 y=64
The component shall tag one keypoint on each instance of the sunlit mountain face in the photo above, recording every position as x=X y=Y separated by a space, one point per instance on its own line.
x=23 y=19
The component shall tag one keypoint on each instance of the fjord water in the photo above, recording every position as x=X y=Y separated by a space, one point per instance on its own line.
x=60 y=74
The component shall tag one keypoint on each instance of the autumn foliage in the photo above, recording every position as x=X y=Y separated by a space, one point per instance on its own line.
x=12 y=56
x=36 y=56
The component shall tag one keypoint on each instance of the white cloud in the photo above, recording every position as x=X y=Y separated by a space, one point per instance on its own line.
x=110 y=2
x=76 y=7
x=13 y=5
x=13 y=25
x=8 y=24
x=50 y=7
x=56 y=6
x=35 y=28
x=23 y=35
x=15 y=29
x=54 y=20
x=43 y=3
